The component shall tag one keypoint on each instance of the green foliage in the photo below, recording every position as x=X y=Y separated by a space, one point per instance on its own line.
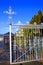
x=19 y=40
x=27 y=32
x=36 y=18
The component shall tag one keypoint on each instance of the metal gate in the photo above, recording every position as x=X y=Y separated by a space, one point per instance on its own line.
x=27 y=43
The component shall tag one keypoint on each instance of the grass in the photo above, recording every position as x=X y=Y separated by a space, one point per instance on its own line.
x=29 y=63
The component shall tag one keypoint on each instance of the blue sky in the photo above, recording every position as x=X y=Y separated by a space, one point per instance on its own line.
x=24 y=9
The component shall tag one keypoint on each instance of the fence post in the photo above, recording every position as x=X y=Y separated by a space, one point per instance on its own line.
x=10 y=46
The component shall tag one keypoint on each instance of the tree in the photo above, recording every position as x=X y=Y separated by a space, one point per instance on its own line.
x=36 y=18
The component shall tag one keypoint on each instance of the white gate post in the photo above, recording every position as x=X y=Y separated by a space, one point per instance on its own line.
x=10 y=46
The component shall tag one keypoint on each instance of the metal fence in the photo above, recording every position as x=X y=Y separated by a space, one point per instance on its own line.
x=27 y=44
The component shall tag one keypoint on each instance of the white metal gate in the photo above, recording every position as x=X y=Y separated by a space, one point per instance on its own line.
x=27 y=44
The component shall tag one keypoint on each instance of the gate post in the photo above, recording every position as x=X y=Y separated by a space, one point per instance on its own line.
x=10 y=45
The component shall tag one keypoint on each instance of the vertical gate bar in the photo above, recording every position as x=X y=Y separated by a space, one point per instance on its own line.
x=40 y=46
x=41 y=39
x=14 y=49
x=31 y=44
x=24 y=45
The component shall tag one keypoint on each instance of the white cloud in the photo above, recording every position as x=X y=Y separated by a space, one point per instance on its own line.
x=16 y=29
x=27 y=22
x=19 y=23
